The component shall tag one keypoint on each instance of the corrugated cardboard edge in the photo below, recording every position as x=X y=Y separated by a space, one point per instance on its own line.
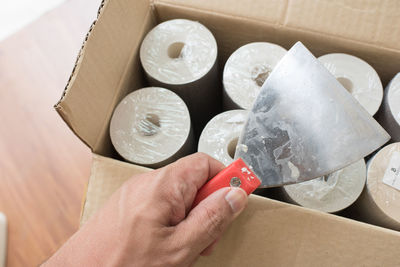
x=117 y=96
x=75 y=69
x=59 y=109
x=81 y=52
x=75 y=106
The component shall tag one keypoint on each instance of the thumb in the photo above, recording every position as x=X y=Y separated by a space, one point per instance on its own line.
x=208 y=220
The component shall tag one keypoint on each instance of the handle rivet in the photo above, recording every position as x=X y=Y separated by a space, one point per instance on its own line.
x=235 y=182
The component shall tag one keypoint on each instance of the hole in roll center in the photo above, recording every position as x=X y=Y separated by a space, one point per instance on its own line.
x=260 y=73
x=175 y=49
x=149 y=125
x=331 y=179
x=232 y=147
x=347 y=83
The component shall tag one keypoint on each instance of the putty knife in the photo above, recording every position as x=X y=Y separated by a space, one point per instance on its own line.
x=303 y=125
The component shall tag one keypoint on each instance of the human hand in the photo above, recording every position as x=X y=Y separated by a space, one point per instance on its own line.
x=149 y=221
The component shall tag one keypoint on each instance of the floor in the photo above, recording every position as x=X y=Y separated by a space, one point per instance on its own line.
x=15 y=14
x=44 y=168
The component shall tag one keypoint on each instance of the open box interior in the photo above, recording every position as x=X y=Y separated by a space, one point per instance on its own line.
x=108 y=68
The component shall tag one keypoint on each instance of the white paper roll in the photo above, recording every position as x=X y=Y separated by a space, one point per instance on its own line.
x=332 y=193
x=358 y=77
x=380 y=201
x=220 y=136
x=181 y=55
x=151 y=127
x=245 y=72
x=389 y=114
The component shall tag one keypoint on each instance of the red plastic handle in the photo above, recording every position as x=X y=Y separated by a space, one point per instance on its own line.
x=237 y=174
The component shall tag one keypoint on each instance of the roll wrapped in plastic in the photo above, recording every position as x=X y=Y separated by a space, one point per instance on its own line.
x=151 y=127
x=332 y=193
x=358 y=77
x=379 y=203
x=245 y=72
x=389 y=114
x=221 y=134
x=181 y=55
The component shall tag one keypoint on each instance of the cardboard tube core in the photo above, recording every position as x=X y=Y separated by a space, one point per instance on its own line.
x=347 y=83
x=175 y=49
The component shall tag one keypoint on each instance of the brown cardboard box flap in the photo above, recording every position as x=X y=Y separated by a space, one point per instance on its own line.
x=270 y=232
x=106 y=176
x=99 y=77
x=364 y=21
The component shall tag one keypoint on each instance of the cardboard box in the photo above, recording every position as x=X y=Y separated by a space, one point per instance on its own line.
x=268 y=232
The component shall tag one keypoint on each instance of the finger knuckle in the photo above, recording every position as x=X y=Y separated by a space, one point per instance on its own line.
x=201 y=162
x=202 y=157
x=196 y=164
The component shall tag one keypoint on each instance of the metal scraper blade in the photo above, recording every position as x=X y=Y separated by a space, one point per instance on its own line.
x=304 y=124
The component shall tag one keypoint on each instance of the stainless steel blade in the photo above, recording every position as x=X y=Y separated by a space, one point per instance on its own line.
x=304 y=124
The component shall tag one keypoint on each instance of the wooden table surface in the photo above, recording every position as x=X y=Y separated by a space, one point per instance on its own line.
x=44 y=167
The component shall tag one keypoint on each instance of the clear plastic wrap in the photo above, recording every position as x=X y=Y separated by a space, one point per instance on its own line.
x=151 y=127
x=181 y=55
x=358 y=77
x=331 y=193
x=380 y=201
x=245 y=72
x=220 y=136
x=389 y=114
x=178 y=51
